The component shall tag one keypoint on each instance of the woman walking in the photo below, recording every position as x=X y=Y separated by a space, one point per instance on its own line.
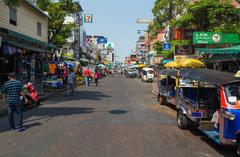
x=96 y=76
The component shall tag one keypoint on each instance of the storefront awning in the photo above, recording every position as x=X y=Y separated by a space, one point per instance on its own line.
x=25 y=46
x=27 y=38
x=223 y=58
x=229 y=50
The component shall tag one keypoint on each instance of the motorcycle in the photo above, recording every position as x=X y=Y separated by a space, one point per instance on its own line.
x=31 y=95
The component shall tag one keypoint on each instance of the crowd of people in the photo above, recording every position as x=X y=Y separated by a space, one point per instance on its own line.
x=13 y=89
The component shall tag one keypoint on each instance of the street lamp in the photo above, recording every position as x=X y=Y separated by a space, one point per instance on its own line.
x=148 y=45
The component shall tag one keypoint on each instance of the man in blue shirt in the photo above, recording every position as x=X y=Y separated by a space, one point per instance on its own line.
x=71 y=80
x=12 y=91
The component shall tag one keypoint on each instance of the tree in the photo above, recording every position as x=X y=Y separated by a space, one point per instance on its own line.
x=58 y=31
x=158 y=47
x=43 y=4
x=211 y=15
x=165 y=10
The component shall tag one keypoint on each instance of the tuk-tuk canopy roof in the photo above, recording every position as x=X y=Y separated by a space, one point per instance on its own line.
x=208 y=75
x=168 y=72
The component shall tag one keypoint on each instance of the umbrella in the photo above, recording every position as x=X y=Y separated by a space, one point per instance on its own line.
x=191 y=63
x=140 y=66
x=173 y=64
x=101 y=65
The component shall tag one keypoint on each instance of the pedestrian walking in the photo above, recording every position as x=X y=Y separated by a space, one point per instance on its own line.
x=87 y=74
x=96 y=76
x=71 y=80
x=12 y=91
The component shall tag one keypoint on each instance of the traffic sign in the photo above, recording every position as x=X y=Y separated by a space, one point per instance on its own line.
x=88 y=18
x=166 y=46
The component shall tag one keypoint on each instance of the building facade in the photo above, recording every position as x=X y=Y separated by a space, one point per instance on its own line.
x=24 y=42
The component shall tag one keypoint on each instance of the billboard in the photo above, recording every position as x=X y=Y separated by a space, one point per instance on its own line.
x=215 y=38
x=102 y=40
x=184 y=50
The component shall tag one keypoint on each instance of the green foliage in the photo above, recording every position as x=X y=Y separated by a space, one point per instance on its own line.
x=58 y=31
x=211 y=15
x=43 y=4
x=165 y=10
x=158 y=47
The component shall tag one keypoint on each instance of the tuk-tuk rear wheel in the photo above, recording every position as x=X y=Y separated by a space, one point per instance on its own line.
x=182 y=120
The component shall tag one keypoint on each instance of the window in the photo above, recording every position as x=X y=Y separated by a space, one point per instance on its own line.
x=13 y=15
x=39 y=29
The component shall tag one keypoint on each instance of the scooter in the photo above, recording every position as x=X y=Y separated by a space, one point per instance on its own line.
x=31 y=94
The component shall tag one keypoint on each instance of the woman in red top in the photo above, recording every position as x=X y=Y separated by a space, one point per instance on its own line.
x=96 y=77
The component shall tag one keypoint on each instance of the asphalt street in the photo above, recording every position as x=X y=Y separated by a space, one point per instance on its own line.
x=120 y=118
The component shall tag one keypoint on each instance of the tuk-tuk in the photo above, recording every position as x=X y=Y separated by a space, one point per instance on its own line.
x=167 y=85
x=147 y=75
x=210 y=101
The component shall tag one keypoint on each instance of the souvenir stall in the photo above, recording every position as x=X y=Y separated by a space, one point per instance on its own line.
x=55 y=75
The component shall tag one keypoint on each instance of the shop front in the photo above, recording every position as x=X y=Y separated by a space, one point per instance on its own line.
x=222 y=59
x=24 y=56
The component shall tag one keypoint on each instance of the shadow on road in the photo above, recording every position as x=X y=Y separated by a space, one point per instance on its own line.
x=50 y=112
x=118 y=112
x=79 y=95
x=44 y=113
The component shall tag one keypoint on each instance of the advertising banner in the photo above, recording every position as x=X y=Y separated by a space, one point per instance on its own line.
x=214 y=38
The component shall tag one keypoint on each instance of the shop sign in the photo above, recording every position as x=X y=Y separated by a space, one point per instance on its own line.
x=184 y=50
x=215 y=38
x=182 y=34
x=178 y=34
x=101 y=40
x=88 y=18
x=110 y=45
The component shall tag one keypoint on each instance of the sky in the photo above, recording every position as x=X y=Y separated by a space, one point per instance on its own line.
x=116 y=20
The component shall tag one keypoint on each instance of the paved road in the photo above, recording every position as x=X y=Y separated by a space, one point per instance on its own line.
x=117 y=119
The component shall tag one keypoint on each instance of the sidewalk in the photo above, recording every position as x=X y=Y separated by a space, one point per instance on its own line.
x=3 y=108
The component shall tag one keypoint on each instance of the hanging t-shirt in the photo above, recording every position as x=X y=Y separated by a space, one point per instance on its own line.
x=45 y=67
x=52 y=68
